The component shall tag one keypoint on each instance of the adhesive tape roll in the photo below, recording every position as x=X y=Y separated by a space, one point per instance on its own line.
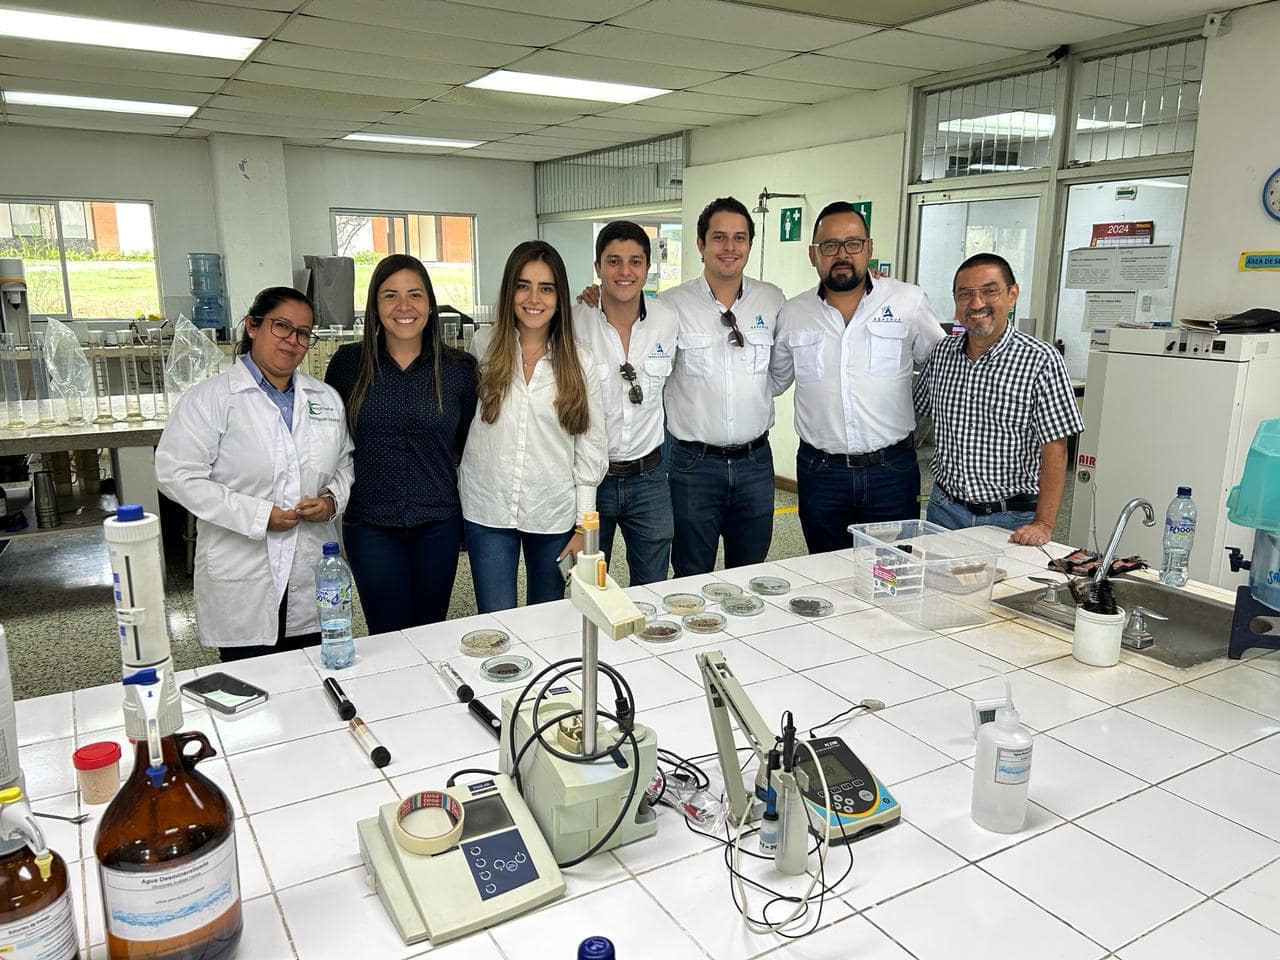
x=429 y=800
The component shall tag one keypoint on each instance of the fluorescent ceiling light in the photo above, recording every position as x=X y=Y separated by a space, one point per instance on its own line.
x=97 y=103
x=541 y=85
x=413 y=141
x=1024 y=124
x=122 y=35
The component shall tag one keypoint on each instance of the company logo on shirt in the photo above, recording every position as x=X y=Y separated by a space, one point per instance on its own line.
x=323 y=412
x=884 y=316
x=659 y=352
x=758 y=323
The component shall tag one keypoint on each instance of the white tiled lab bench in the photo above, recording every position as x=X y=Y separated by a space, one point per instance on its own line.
x=1154 y=828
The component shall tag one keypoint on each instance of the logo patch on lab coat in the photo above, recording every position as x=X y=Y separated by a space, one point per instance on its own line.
x=758 y=323
x=323 y=412
x=885 y=316
x=659 y=352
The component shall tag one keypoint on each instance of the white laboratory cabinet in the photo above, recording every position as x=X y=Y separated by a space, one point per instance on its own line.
x=1172 y=407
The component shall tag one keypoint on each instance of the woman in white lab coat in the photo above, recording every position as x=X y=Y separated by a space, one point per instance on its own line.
x=261 y=456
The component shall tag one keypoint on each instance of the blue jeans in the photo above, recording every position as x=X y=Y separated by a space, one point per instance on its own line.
x=834 y=495
x=714 y=496
x=945 y=512
x=404 y=574
x=494 y=553
x=641 y=506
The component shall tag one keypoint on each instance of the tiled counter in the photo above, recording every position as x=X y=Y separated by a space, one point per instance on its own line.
x=1154 y=829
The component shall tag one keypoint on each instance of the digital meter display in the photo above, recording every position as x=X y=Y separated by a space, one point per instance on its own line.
x=484 y=816
x=833 y=769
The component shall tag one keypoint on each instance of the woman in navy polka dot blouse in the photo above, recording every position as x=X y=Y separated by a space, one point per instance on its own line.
x=410 y=400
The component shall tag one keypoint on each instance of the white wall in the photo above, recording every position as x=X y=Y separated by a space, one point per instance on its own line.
x=576 y=242
x=1237 y=147
x=499 y=193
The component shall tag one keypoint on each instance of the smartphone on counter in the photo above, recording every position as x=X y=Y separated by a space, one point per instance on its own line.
x=224 y=693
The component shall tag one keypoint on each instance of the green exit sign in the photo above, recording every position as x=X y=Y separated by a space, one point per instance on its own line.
x=789 y=224
x=864 y=208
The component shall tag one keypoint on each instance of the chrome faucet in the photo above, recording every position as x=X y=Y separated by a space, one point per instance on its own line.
x=1104 y=567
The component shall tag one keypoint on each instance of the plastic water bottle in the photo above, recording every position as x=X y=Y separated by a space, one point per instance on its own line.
x=1002 y=773
x=1179 y=534
x=333 y=604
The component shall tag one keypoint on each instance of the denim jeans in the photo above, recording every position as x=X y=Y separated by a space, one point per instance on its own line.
x=494 y=553
x=714 y=496
x=834 y=495
x=945 y=512
x=404 y=574
x=640 y=505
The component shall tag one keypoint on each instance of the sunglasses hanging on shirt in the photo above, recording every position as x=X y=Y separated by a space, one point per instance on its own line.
x=634 y=393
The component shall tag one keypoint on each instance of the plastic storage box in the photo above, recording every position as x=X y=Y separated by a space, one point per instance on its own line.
x=926 y=574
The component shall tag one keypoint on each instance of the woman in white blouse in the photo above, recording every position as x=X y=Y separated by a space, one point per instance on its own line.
x=537 y=449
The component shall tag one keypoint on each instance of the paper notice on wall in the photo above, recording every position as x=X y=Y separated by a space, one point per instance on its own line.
x=1109 y=308
x=1124 y=268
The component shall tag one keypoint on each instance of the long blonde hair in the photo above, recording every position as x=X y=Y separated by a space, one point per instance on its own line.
x=499 y=368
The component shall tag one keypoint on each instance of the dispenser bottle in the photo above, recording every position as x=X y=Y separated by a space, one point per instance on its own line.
x=1002 y=773
x=166 y=844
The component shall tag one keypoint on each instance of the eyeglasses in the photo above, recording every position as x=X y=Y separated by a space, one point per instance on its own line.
x=634 y=394
x=987 y=293
x=735 y=335
x=829 y=248
x=283 y=330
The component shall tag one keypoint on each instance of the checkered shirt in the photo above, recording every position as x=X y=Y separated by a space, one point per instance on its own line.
x=992 y=415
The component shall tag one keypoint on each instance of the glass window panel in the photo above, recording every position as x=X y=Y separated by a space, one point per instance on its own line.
x=112 y=272
x=444 y=243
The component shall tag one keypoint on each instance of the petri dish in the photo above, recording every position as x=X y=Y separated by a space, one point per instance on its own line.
x=810 y=606
x=706 y=622
x=769 y=586
x=721 y=591
x=661 y=631
x=648 y=609
x=743 y=606
x=485 y=643
x=682 y=603
x=506 y=668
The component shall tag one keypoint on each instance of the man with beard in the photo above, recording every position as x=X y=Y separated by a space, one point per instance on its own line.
x=1003 y=410
x=849 y=344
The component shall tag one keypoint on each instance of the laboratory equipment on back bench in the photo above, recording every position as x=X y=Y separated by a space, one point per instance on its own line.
x=578 y=803
x=490 y=863
x=15 y=315
x=1255 y=502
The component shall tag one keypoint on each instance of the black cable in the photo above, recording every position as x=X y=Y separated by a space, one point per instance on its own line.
x=838 y=716
x=453 y=777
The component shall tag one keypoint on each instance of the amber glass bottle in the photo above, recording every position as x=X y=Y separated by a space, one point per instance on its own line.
x=37 y=918
x=166 y=851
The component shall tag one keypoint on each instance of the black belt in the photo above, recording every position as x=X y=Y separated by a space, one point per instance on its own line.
x=730 y=451
x=629 y=468
x=861 y=459
x=1022 y=502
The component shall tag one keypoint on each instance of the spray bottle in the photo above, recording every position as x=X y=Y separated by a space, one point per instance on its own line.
x=1002 y=771
x=169 y=828
x=36 y=914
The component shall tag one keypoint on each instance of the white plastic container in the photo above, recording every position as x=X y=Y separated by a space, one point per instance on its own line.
x=1096 y=638
x=1002 y=773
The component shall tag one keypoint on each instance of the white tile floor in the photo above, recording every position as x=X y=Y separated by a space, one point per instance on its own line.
x=1108 y=864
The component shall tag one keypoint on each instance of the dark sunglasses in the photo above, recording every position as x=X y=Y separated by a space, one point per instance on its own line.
x=634 y=393
x=735 y=335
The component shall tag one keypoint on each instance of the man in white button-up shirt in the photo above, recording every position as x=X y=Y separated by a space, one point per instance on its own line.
x=719 y=404
x=633 y=340
x=849 y=344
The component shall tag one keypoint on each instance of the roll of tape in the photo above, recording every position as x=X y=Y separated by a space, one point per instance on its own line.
x=429 y=800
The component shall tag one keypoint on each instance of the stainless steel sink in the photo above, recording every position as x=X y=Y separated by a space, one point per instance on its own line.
x=1198 y=628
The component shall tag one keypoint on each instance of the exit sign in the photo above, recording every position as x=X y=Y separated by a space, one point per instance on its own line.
x=789 y=224
x=864 y=208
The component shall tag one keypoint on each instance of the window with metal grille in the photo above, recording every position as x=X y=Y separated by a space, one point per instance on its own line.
x=994 y=126
x=1140 y=103
x=631 y=175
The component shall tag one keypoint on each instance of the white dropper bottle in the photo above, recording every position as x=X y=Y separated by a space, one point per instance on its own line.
x=1002 y=771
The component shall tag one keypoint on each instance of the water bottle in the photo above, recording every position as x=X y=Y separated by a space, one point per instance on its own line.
x=333 y=604
x=1179 y=533
x=1002 y=773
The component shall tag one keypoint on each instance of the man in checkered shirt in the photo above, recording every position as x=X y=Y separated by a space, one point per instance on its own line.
x=1003 y=409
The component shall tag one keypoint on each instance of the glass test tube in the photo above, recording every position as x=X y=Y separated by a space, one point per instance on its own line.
x=98 y=357
x=13 y=413
x=40 y=385
x=155 y=360
x=129 y=376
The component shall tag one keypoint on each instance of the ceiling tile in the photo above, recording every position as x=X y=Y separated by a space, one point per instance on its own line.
x=392 y=147
x=340 y=82
x=72 y=88
x=1147 y=12
x=49 y=52
x=91 y=120
x=643 y=129
x=594 y=11
x=300 y=55
x=586 y=67
x=768 y=88
x=688 y=118
x=518 y=153
x=275 y=108
x=285 y=6
x=521 y=107
x=14 y=67
x=261 y=129
x=734 y=106
x=409 y=124
x=604 y=138
x=867 y=11
x=1007 y=23
x=814 y=68
x=626 y=44
x=317 y=125
x=752 y=26
x=451 y=20
x=569 y=143
x=470 y=112
x=185 y=14
x=907 y=49
x=287 y=95
x=340 y=35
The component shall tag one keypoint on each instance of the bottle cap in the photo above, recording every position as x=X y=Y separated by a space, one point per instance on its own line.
x=331 y=548
x=1184 y=491
x=596 y=948
x=95 y=756
x=129 y=512
x=1007 y=717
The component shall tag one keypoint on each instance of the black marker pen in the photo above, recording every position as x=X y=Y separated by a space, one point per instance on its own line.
x=346 y=709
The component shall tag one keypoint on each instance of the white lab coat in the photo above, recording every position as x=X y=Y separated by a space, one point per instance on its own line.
x=227 y=457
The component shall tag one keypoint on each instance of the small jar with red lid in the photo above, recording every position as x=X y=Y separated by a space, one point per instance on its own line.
x=98 y=771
